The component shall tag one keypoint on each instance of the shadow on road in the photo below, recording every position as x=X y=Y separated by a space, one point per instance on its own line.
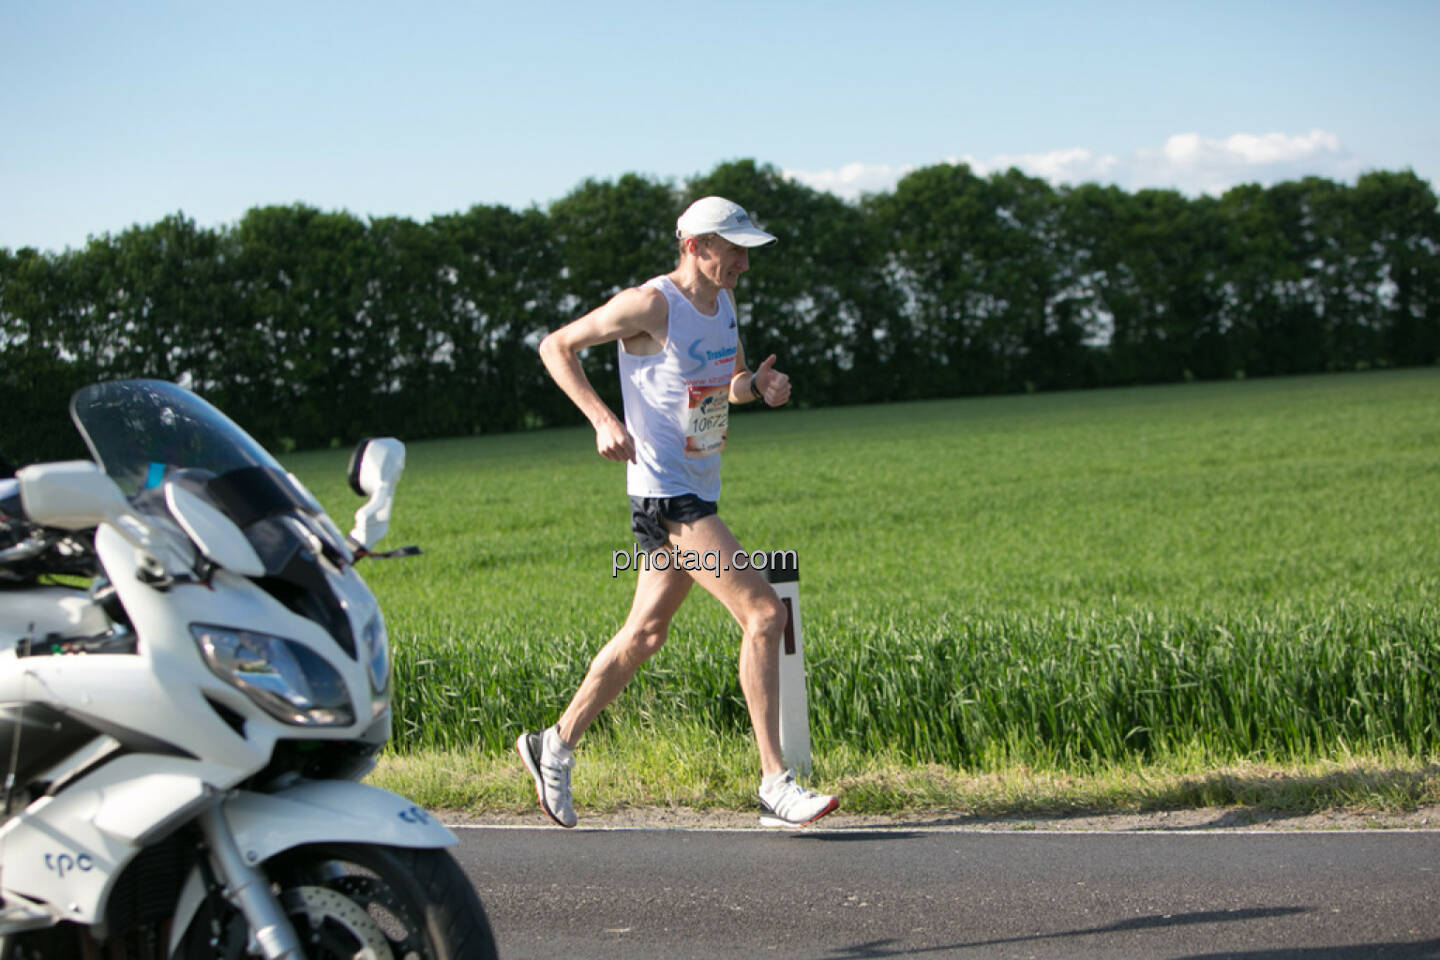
x=850 y=836
x=1419 y=950
x=894 y=948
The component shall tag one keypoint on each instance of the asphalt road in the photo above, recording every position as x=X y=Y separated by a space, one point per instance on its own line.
x=856 y=893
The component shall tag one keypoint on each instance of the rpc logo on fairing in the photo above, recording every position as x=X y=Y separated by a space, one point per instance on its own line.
x=64 y=863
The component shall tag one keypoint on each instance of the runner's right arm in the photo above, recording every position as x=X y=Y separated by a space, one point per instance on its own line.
x=632 y=315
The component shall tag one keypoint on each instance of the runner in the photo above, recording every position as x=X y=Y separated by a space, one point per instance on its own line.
x=681 y=366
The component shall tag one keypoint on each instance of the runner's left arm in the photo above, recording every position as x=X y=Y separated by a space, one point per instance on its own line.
x=766 y=383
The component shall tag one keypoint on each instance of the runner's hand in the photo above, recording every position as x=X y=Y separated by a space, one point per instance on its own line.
x=773 y=385
x=613 y=441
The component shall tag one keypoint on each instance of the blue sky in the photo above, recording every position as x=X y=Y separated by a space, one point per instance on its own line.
x=113 y=114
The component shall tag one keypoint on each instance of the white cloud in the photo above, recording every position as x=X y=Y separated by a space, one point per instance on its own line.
x=1074 y=165
x=1197 y=164
x=1185 y=161
x=853 y=179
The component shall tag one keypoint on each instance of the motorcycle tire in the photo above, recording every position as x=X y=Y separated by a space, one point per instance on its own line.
x=346 y=898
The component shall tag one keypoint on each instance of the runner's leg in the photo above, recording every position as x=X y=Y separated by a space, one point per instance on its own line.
x=658 y=594
x=761 y=615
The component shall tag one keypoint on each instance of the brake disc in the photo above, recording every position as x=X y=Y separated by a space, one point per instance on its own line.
x=332 y=925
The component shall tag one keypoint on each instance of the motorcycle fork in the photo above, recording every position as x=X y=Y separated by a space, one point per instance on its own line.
x=245 y=885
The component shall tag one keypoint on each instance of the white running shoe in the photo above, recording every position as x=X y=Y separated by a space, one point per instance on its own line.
x=552 y=775
x=784 y=803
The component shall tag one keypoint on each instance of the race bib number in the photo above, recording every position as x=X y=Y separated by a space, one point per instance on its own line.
x=708 y=423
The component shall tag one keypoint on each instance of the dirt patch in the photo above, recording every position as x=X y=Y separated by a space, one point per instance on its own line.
x=1209 y=818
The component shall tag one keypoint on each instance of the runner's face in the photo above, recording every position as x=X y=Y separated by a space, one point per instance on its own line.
x=721 y=262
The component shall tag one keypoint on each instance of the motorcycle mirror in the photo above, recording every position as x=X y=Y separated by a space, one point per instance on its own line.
x=375 y=469
x=375 y=462
x=77 y=495
x=71 y=495
x=352 y=472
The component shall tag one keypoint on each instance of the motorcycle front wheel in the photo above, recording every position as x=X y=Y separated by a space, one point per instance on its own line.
x=351 y=900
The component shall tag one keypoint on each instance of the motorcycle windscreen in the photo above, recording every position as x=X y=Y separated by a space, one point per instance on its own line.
x=140 y=430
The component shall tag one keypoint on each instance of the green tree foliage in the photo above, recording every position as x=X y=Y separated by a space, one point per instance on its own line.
x=1400 y=210
x=49 y=348
x=314 y=328
x=500 y=268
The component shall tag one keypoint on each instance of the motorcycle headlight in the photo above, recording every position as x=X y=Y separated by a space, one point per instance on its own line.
x=377 y=653
x=288 y=680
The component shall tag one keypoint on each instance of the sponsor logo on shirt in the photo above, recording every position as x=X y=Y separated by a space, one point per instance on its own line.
x=704 y=358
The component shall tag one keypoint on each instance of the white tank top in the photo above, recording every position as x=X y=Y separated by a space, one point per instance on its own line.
x=677 y=401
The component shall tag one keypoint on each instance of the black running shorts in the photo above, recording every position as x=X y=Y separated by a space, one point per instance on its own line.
x=648 y=516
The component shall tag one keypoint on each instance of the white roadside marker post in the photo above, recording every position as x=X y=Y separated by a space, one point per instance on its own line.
x=784 y=576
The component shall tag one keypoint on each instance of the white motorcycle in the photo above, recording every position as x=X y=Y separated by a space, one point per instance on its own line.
x=182 y=740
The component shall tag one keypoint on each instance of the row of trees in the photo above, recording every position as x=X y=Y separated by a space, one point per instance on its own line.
x=314 y=327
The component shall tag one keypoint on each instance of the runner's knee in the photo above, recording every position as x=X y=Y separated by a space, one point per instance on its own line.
x=767 y=619
x=643 y=642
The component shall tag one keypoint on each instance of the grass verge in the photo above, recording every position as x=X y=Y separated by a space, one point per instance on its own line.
x=698 y=770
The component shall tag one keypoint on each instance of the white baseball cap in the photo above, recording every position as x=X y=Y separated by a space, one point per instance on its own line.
x=718 y=215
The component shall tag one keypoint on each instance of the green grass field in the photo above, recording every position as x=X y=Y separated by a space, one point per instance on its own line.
x=1132 y=590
